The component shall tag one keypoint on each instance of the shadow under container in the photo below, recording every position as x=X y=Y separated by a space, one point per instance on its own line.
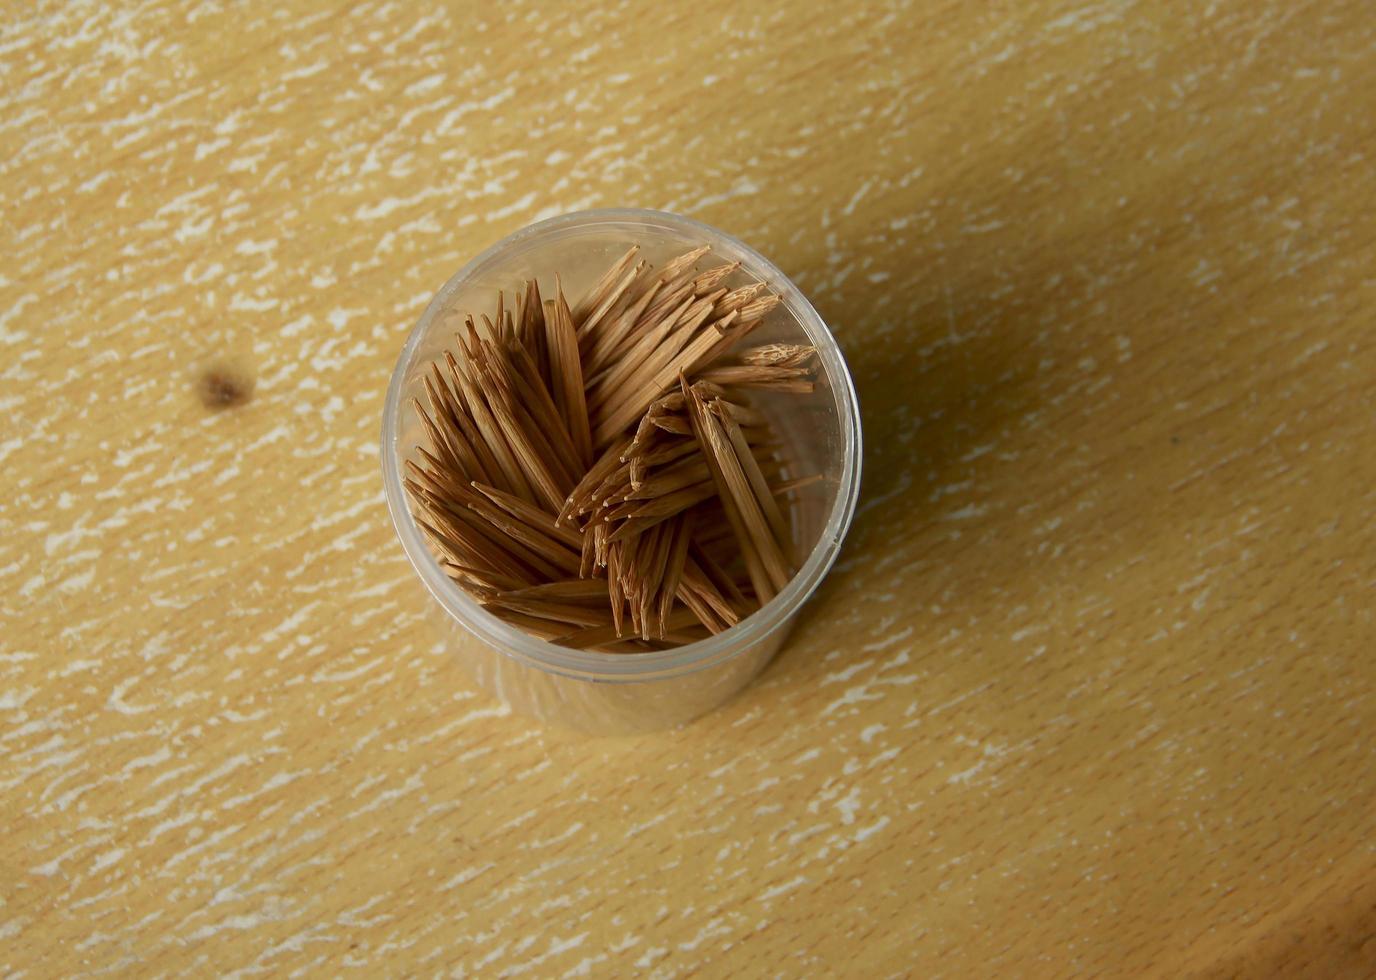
x=612 y=693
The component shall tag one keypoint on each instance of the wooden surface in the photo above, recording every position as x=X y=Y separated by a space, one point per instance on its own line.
x=1091 y=689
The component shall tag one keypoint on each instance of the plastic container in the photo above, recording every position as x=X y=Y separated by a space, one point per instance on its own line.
x=607 y=693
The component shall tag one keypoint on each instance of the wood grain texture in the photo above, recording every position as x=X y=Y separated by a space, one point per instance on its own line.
x=1091 y=689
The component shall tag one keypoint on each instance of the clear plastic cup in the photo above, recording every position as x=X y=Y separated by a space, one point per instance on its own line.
x=609 y=693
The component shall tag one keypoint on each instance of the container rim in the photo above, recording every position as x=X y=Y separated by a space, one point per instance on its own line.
x=631 y=667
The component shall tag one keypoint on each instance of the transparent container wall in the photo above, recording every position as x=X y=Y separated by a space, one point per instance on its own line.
x=600 y=706
x=812 y=427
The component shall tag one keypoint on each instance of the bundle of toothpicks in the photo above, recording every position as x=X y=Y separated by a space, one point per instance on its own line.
x=596 y=474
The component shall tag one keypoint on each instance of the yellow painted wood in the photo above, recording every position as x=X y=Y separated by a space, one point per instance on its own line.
x=1091 y=689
